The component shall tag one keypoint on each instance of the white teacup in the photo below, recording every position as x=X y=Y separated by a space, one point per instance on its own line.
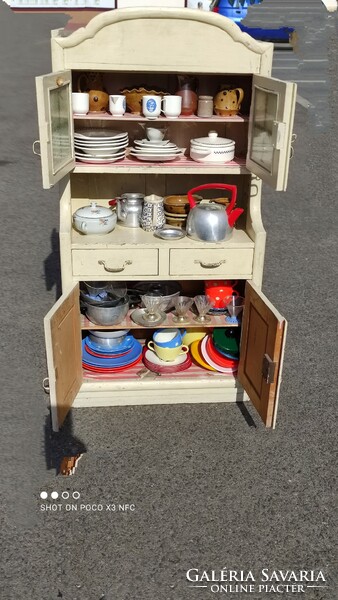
x=80 y=103
x=172 y=106
x=155 y=135
x=117 y=104
x=151 y=106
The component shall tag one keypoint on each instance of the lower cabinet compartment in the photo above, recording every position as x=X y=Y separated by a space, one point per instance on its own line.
x=257 y=374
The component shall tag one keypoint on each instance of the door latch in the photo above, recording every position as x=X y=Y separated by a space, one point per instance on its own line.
x=268 y=369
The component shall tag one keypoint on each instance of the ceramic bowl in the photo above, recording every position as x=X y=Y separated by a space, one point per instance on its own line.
x=108 y=339
x=134 y=98
x=178 y=205
x=101 y=315
x=175 y=222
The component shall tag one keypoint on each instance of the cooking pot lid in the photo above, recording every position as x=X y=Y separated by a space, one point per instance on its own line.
x=212 y=140
x=93 y=211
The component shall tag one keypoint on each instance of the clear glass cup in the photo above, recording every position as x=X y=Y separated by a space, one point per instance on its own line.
x=234 y=305
x=203 y=305
x=153 y=306
x=182 y=304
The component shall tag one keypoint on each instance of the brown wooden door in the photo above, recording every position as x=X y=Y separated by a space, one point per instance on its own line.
x=64 y=354
x=262 y=350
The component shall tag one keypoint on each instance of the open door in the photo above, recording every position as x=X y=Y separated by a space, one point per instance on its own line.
x=56 y=129
x=270 y=130
x=262 y=351
x=64 y=354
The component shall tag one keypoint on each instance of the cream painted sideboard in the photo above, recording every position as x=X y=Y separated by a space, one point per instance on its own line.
x=132 y=47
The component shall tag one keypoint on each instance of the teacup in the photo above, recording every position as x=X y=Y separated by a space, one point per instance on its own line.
x=117 y=104
x=151 y=106
x=167 y=354
x=155 y=135
x=172 y=106
x=80 y=103
x=168 y=338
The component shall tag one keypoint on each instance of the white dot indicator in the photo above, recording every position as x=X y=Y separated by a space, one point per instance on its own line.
x=54 y=495
x=44 y=495
x=65 y=495
x=76 y=495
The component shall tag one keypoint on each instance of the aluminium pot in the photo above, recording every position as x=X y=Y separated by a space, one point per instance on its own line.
x=112 y=315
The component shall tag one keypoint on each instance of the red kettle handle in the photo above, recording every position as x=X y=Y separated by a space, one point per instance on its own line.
x=214 y=186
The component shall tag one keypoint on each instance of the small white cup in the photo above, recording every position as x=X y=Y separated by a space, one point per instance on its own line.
x=117 y=104
x=155 y=135
x=80 y=103
x=172 y=106
x=151 y=106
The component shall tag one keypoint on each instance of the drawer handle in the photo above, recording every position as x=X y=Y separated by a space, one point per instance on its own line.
x=103 y=263
x=209 y=265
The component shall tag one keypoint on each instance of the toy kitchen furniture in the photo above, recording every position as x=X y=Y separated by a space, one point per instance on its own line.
x=132 y=47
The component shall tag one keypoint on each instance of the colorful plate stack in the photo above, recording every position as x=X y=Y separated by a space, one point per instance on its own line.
x=98 y=359
x=219 y=351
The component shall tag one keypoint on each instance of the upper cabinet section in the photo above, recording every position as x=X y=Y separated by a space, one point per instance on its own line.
x=55 y=126
x=162 y=40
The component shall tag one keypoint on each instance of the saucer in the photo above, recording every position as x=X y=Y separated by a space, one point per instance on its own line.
x=139 y=316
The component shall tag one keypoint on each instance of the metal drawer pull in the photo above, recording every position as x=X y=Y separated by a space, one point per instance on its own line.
x=45 y=385
x=36 y=152
x=103 y=263
x=209 y=265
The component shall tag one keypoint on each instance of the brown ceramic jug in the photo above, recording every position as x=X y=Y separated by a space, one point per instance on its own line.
x=227 y=103
x=92 y=84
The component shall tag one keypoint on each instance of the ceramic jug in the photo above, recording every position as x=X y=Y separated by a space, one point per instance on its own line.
x=93 y=84
x=227 y=102
x=153 y=213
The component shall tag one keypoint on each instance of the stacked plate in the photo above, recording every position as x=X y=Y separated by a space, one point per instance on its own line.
x=155 y=364
x=155 y=151
x=99 y=359
x=100 y=145
x=206 y=355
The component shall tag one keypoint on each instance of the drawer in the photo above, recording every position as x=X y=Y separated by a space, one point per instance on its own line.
x=124 y=261
x=209 y=262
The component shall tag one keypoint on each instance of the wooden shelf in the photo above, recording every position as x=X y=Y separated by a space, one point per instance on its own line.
x=128 y=323
x=140 y=118
x=180 y=165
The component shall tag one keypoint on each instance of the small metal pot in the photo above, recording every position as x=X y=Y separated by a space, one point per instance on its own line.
x=101 y=315
x=129 y=209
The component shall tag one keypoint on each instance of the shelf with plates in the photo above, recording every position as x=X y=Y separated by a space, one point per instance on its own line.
x=177 y=166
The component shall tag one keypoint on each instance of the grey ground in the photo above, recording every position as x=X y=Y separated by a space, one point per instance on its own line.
x=211 y=488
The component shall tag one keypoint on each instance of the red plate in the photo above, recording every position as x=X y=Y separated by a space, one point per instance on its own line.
x=218 y=358
x=162 y=369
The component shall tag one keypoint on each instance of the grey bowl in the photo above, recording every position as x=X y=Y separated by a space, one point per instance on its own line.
x=108 y=339
x=111 y=315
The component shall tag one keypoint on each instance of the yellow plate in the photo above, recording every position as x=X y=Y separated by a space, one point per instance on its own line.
x=194 y=351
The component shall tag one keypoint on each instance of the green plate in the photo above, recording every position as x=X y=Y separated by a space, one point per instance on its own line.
x=226 y=339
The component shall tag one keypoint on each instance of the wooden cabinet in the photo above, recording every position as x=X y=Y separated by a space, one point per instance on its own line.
x=214 y=49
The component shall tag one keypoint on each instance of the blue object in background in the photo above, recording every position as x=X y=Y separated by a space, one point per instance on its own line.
x=236 y=10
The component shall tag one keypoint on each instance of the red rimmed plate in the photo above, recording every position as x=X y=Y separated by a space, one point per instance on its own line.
x=208 y=359
x=153 y=363
x=219 y=358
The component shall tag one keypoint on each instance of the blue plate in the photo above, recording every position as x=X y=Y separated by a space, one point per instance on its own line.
x=109 y=363
x=127 y=344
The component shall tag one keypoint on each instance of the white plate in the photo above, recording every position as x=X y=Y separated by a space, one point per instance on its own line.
x=148 y=143
x=156 y=150
x=155 y=158
x=101 y=156
x=101 y=160
x=98 y=134
x=100 y=151
x=155 y=360
x=103 y=144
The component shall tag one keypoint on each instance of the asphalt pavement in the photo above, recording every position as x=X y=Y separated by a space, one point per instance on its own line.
x=211 y=488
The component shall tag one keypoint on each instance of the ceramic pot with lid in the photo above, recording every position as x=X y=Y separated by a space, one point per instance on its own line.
x=210 y=222
x=94 y=219
x=213 y=149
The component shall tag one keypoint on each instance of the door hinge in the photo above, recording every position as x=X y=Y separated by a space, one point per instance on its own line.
x=268 y=369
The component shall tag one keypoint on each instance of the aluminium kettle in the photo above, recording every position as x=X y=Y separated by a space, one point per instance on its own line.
x=212 y=222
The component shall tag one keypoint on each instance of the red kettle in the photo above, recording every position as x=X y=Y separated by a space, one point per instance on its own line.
x=210 y=222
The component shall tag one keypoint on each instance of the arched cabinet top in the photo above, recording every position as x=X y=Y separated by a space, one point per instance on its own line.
x=162 y=40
